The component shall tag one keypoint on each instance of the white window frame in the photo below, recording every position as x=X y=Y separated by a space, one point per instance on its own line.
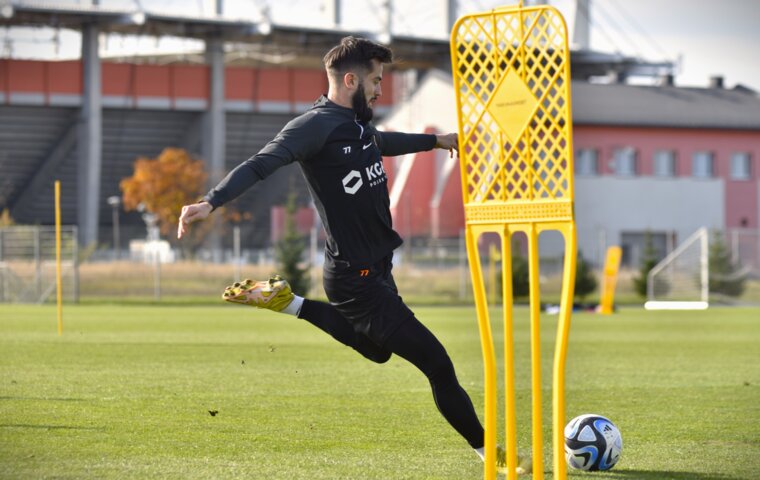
x=666 y=158
x=587 y=162
x=741 y=166
x=701 y=162
x=625 y=161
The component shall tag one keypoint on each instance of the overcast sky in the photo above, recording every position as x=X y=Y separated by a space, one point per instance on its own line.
x=705 y=37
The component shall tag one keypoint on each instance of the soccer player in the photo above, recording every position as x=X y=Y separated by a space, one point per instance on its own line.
x=340 y=154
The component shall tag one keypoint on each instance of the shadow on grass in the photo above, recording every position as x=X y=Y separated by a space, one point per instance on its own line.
x=651 y=475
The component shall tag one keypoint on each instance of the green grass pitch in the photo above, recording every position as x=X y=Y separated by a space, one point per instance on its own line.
x=127 y=392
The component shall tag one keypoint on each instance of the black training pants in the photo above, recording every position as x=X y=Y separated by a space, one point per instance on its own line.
x=412 y=341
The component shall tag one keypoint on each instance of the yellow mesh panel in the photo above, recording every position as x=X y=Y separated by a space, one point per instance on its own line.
x=511 y=76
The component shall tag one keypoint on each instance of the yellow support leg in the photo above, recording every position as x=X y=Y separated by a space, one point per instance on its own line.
x=509 y=354
x=560 y=349
x=535 y=353
x=489 y=354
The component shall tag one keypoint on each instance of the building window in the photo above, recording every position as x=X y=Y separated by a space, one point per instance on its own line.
x=587 y=162
x=625 y=161
x=702 y=165
x=741 y=166
x=664 y=163
x=635 y=244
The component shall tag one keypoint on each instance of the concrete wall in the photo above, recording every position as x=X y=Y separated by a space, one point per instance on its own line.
x=605 y=207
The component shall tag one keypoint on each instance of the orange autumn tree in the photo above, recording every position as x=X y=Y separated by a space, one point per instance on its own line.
x=163 y=185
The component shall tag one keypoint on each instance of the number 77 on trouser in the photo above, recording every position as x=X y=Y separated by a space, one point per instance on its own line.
x=512 y=82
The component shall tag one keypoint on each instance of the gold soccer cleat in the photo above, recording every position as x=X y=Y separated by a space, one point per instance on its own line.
x=523 y=463
x=273 y=294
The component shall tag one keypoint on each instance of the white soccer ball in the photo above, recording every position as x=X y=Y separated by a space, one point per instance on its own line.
x=592 y=442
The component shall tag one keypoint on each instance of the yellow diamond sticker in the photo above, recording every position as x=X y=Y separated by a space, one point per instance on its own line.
x=512 y=105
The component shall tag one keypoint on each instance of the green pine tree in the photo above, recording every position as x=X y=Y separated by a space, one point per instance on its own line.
x=648 y=261
x=520 y=271
x=585 y=280
x=725 y=276
x=290 y=250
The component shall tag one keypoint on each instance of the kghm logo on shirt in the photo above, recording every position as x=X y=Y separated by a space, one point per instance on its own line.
x=375 y=174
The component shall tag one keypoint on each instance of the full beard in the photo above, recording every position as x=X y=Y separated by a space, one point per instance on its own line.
x=359 y=103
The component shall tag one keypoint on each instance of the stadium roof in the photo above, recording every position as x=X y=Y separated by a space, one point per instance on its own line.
x=262 y=41
x=665 y=106
x=309 y=44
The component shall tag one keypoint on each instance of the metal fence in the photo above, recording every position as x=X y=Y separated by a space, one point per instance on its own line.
x=431 y=271
x=28 y=264
x=744 y=245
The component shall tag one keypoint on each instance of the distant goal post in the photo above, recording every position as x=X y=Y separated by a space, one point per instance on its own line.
x=681 y=281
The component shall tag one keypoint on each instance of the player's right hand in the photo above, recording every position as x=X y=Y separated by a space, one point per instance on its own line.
x=192 y=213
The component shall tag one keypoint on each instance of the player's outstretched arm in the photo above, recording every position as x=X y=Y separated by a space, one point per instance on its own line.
x=192 y=213
x=397 y=143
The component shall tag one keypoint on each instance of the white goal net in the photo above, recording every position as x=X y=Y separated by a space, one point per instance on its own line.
x=681 y=279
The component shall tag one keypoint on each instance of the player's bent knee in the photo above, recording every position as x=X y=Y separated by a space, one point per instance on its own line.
x=380 y=357
x=443 y=375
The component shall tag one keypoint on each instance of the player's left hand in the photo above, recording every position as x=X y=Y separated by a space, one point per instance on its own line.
x=192 y=213
x=447 y=141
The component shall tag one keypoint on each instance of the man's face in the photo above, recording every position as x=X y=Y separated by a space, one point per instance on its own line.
x=367 y=92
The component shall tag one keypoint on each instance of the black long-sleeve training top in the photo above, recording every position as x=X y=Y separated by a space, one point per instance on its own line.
x=341 y=159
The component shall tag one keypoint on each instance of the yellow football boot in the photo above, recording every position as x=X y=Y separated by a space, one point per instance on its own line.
x=273 y=294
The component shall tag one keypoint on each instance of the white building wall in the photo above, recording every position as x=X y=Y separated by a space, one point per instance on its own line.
x=432 y=104
x=607 y=206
